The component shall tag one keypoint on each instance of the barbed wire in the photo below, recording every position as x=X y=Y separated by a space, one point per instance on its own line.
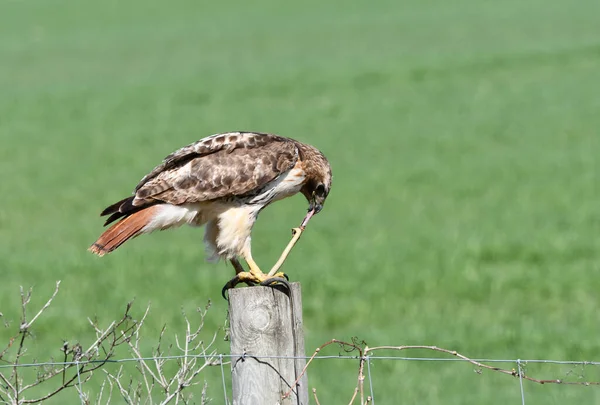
x=195 y=355
x=322 y=357
x=221 y=359
x=365 y=356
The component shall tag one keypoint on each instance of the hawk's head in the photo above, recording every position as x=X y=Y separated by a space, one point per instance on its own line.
x=316 y=193
x=316 y=189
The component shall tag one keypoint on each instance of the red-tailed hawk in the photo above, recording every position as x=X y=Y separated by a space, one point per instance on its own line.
x=223 y=182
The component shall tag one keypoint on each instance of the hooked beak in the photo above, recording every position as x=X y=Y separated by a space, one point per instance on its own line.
x=313 y=208
x=316 y=207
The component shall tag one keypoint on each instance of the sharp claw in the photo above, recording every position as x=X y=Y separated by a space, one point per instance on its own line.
x=230 y=284
x=275 y=281
x=272 y=281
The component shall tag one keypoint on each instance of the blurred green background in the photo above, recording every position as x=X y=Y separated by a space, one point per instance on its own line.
x=464 y=142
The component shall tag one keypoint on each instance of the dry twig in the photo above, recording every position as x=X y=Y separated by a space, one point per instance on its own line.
x=364 y=351
x=195 y=356
x=77 y=367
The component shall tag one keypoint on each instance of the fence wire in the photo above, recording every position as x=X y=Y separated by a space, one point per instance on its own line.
x=320 y=357
x=219 y=360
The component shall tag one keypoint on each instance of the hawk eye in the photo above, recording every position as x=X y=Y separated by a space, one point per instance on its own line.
x=320 y=189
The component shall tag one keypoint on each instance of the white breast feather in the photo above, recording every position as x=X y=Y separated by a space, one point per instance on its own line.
x=285 y=185
x=235 y=226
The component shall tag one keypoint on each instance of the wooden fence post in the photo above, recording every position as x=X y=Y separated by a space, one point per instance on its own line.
x=265 y=332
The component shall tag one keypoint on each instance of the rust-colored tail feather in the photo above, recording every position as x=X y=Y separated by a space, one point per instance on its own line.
x=127 y=228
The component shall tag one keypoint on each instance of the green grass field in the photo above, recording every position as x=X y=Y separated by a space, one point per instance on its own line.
x=464 y=143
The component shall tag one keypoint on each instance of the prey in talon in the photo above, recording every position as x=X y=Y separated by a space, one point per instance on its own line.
x=222 y=182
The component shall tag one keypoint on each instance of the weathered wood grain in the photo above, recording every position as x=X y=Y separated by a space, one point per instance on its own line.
x=266 y=333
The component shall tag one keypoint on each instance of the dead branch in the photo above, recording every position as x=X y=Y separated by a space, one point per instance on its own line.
x=315 y=396
x=78 y=364
x=512 y=372
x=364 y=352
x=193 y=357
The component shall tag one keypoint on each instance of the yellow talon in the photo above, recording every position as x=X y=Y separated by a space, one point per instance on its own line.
x=255 y=276
x=280 y=274
x=252 y=279
x=249 y=278
x=255 y=270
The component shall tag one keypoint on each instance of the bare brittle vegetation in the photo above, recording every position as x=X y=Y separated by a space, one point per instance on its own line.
x=364 y=354
x=151 y=383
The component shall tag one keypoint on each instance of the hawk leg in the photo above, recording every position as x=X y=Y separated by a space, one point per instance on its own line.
x=237 y=265
x=255 y=276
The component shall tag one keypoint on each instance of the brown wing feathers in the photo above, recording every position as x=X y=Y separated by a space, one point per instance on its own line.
x=236 y=163
x=237 y=173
